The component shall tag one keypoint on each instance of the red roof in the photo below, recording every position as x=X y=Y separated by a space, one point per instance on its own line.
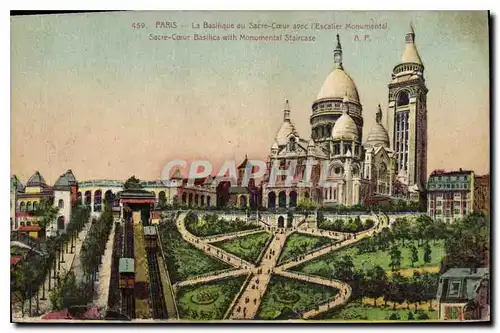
x=15 y=260
x=29 y=228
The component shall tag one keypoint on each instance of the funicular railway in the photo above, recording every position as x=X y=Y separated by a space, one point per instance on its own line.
x=159 y=308
x=127 y=271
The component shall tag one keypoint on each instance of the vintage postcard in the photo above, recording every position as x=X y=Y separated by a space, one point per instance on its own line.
x=250 y=166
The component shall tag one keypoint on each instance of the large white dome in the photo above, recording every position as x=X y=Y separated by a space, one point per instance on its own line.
x=337 y=85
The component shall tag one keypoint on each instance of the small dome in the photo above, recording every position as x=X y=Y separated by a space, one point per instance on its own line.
x=71 y=177
x=377 y=137
x=36 y=180
x=15 y=184
x=284 y=132
x=63 y=181
x=345 y=129
x=337 y=85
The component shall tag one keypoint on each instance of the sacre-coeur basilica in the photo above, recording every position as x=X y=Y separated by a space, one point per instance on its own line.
x=390 y=162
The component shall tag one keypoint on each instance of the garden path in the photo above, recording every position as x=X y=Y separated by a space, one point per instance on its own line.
x=208 y=248
x=342 y=297
x=254 y=290
x=250 y=298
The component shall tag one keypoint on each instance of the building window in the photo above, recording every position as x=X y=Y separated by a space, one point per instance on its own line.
x=454 y=289
x=60 y=204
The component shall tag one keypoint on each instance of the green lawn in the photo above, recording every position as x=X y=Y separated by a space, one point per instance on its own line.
x=323 y=266
x=356 y=312
x=285 y=297
x=298 y=244
x=208 y=301
x=211 y=224
x=247 y=247
x=183 y=259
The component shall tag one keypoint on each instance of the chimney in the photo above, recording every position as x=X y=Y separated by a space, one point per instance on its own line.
x=460 y=169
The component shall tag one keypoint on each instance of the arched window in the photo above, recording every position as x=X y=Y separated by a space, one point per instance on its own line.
x=97 y=200
x=60 y=223
x=281 y=222
x=328 y=130
x=243 y=201
x=22 y=206
x=271 y=200
x=60 y=204
x=190 y=200
x=88 y=198
x=208 y=201
x=291 y=144
x=282 y=199
x=336 y=149
x=35 y=205
x=29 y=206
x=403 y=99
x=382 y=172
x=293 y=199
x=196 y=200
x=183 y=198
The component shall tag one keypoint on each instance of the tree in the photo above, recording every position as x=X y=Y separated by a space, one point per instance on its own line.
x=402 y=229
x=376 y=283
x=358 y=224
x=413 y=255
x=344 y=268
x=427 y=253
x=132 y=184
x=395 y=258
x=175 y=202
x=306 y=205
x=47 y=214
x=468 y=243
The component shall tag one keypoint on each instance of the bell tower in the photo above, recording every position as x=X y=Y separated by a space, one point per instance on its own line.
x=407 y=117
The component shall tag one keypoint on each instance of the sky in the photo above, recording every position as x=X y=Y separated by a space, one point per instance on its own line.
x=93 y=94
